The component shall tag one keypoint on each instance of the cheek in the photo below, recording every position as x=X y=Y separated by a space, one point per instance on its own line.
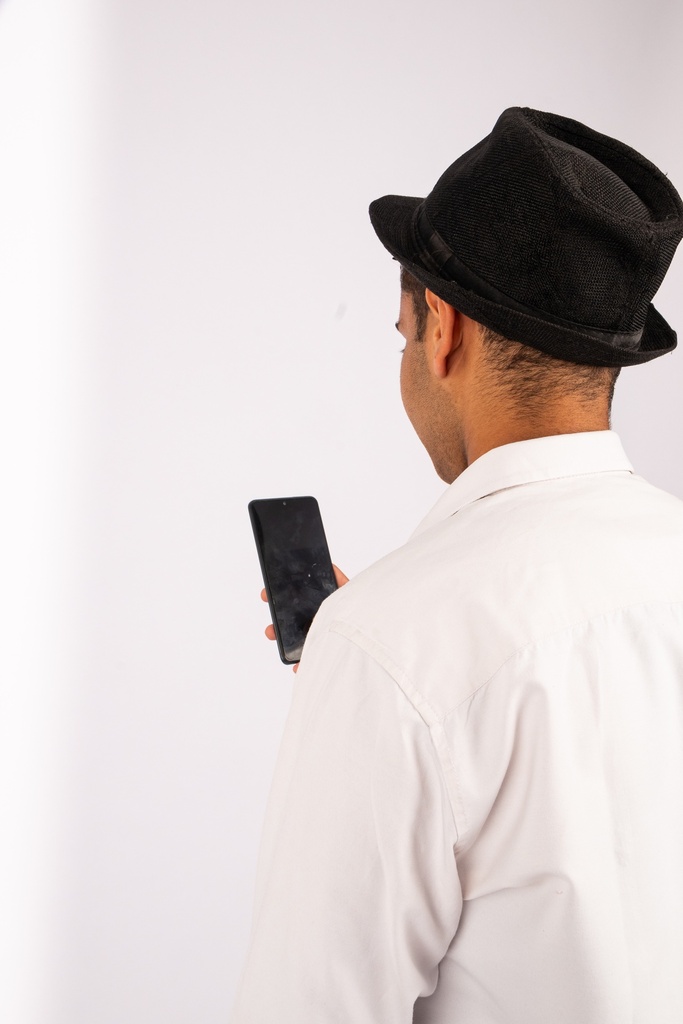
x=411 y=385
x=404 y=381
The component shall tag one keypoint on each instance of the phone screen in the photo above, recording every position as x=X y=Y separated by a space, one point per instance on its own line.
x=296 y=566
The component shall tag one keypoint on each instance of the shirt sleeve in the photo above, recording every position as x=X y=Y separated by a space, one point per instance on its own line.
x=358 y=896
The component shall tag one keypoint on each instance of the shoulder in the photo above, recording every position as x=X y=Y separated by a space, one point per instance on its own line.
x=442 y=613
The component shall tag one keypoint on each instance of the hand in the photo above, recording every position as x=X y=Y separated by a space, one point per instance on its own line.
x=341 y=580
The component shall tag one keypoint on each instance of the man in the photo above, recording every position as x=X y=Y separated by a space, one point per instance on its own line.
x=477 y=812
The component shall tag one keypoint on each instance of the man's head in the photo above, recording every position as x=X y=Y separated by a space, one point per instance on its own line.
x=528 y=274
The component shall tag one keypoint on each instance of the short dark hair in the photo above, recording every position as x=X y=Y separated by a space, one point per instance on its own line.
x=525 y=373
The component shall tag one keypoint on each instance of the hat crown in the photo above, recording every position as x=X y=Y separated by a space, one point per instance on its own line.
x=598 y=183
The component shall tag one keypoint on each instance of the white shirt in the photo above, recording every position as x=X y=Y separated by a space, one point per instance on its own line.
x=477 y=814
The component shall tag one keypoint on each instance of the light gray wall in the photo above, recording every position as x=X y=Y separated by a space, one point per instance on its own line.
x=229 y=334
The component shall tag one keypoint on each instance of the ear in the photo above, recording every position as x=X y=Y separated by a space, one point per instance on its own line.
x=445 y=336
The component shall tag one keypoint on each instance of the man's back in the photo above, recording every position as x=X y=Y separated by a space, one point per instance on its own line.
x=493 y=718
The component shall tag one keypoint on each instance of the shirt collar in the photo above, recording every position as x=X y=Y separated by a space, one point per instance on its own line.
x=525 y=462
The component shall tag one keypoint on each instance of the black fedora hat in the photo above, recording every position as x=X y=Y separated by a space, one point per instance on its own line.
x=548 y=233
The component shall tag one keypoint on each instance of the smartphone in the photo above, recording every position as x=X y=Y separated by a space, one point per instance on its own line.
x=296 y=566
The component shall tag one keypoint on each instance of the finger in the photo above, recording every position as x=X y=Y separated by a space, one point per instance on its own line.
x=295 y=668
x=270 y=632
x=264 y=596
x=339 y=576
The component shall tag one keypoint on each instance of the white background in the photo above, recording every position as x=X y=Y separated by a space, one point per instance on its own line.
x=194 y=311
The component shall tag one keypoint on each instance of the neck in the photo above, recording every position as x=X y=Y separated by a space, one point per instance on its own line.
x=491 y=430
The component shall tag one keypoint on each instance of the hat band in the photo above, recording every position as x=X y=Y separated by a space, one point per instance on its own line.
x=439 y=259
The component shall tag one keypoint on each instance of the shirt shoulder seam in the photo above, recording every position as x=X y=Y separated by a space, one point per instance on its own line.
x=427 y=713
x=384 y=658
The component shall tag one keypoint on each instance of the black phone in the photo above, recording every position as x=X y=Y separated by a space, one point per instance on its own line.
x=296 y=566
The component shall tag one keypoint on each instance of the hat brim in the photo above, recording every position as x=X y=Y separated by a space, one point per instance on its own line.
x=392 y=218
